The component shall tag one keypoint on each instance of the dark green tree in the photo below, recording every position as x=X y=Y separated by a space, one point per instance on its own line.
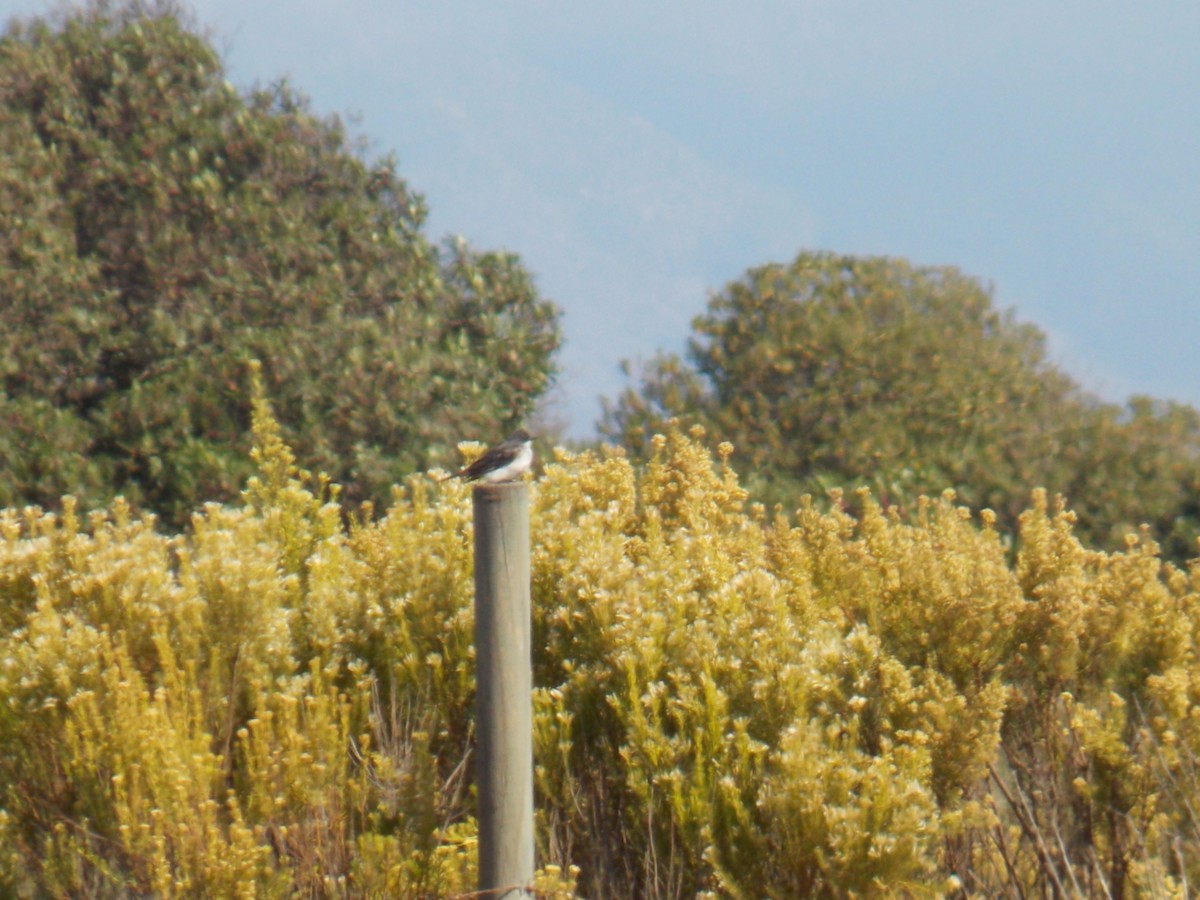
x=847 y=371
x=159 y=229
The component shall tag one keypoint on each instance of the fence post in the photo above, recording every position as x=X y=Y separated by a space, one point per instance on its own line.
x=504 y=686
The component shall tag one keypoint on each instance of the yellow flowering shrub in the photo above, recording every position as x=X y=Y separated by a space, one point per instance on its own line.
x=728 y=701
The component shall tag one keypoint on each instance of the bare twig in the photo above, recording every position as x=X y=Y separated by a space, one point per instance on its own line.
x=1028 y=822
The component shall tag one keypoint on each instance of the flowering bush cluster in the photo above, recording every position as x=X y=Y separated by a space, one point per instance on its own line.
x=728 y=702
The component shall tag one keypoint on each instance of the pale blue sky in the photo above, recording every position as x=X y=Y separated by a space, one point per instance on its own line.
x=638 y=155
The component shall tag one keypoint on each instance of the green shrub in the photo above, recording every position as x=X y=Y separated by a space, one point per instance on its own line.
x=161 y=230
x=834 y=370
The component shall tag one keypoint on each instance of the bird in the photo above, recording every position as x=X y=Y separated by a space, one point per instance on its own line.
x=506 y=461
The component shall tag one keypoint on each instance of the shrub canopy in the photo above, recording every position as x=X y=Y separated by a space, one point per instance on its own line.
x=846 y=371
x=160 y=229
x=726 y=704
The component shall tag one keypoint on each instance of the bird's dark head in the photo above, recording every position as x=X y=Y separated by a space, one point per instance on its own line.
x=520 y=436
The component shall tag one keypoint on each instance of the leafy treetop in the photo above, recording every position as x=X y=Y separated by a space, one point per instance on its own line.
x=840 y=370
x=162 y=229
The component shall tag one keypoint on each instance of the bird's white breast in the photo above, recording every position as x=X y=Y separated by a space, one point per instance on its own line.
x=519 y=465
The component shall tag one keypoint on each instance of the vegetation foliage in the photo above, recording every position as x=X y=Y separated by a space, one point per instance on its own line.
x=727 y=703
x=885 y=695
x=160 y=230
x=841 y=371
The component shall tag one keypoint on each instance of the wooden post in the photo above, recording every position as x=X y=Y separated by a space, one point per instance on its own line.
x=504 y=690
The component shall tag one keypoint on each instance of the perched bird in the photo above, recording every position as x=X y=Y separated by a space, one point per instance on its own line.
x=508 y=460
